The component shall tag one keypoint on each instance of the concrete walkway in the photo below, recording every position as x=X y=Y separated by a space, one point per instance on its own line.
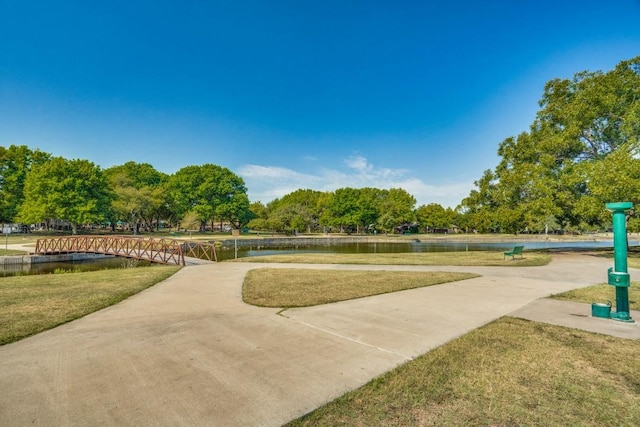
x=188 y=351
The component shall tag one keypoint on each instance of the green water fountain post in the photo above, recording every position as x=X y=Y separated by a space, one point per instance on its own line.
x=618 y=275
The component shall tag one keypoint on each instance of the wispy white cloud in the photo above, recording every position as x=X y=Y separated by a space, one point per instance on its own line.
x=267 y=172
x=266 y=183
x=367 y=171
x=358 y=163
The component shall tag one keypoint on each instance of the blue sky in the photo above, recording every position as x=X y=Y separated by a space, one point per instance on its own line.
x=293 y=94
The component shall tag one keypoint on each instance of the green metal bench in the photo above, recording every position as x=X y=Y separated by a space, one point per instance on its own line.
x=517 y=250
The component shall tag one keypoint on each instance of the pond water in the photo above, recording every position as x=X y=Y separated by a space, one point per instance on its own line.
x=87 y=265
x=415 y=246
x=226 y=253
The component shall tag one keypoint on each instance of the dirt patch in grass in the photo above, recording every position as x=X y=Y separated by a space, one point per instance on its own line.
x=511 y=372
x=267 y=287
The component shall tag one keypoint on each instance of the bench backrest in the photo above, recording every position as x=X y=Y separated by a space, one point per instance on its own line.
x=518 y=249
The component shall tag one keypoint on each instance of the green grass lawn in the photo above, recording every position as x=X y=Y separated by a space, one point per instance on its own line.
x=31 y=304
x=601 y=293
x=471 y=258
x=11 y=252
x=511 y=372
x=19 y=239
x=633 y=256
x=269 y=287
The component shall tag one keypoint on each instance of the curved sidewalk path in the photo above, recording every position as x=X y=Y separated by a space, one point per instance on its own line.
x=188 y=351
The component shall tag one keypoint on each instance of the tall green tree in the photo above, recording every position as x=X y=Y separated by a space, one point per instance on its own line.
x=290 y=217
x=342 y=210
x=140 y=193
x=259 y=216
x=614 y=178
x=354 y=209
x=370 y=204
x=235 y=209
x=553 y=174
x=478 y=208
x=15 y=163
x=209 y=191
x=434 y=216
x=297 y=211
x=73 y=190
x=397 y=209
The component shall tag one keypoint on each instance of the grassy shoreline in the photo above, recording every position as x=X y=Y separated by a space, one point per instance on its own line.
x=12 y=252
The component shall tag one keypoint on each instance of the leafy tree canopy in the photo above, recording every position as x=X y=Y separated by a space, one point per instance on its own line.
x=72 y=190
x=433 y=216
x=209 y=191
x=580 y=152
x=139 y=193
x=15 y=163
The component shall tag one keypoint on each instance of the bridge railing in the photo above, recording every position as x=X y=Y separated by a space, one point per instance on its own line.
x=165 y=251
x=199 y=250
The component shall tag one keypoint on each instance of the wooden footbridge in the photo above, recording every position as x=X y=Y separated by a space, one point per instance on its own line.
x=164 y=251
